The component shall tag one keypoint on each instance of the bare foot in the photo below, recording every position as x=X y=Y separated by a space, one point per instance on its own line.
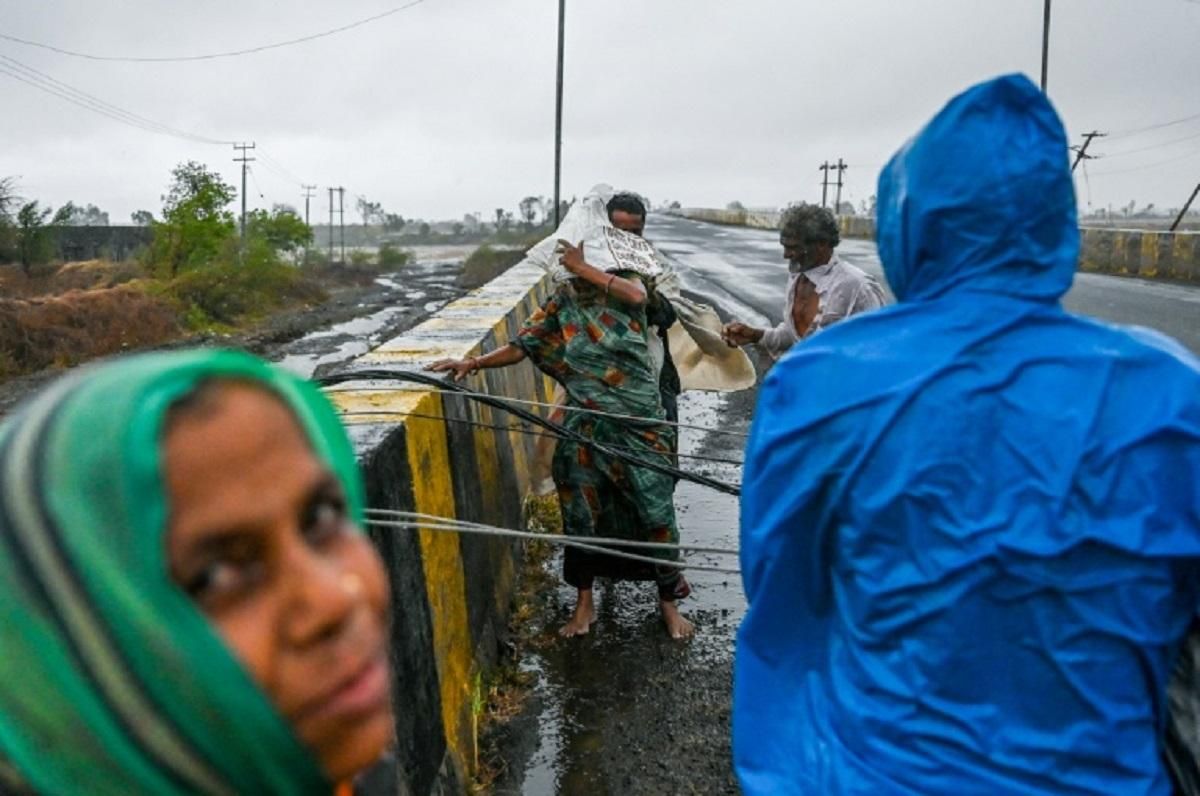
x=582 y=618
x=677 y=626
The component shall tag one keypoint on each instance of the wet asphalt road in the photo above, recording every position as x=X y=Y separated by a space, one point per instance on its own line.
x=627 y=711
x=742 y=272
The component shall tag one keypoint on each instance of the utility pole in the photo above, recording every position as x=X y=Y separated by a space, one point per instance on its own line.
x=837 y=204
x=1045 y=45
x=1081 y=151
x=331 y=226
x=1187 y=206
x=825 y=167
x=308 y=194
x=244 y=162
x=342 y=221
x=558 y=113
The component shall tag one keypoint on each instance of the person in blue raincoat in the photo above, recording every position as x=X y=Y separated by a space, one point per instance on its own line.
x=970 y=521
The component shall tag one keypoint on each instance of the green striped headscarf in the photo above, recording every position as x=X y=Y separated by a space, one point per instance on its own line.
x=111 y=679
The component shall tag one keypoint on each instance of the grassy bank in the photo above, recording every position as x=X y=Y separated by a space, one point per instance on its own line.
x=60 y=316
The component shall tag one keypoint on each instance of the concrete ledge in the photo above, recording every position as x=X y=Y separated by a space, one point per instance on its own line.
x=438 y=454
x=1123 y=252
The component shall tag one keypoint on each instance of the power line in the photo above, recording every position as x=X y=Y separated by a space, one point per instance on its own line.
x=43 y=82
x=279 y=167
x=211 y=56
x=1147 y=166
x=1152 y=147
x=1159 y=126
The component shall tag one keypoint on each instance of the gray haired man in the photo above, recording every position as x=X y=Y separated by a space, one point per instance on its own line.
x=822 y=289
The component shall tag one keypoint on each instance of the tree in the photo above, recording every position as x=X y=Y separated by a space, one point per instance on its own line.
x=370 y=211
x=736 y=206
x=35 y=232
x=8 y=200
x=196 y=221
x=142 y=218
x=88 y=216
x=503 y=219
x=529 y=207
x=282 y=228
x=393 y=222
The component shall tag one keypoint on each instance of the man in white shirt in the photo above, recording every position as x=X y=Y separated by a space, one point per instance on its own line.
x=822 y=289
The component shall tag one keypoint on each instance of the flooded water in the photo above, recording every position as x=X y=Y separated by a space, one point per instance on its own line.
x=422 y=288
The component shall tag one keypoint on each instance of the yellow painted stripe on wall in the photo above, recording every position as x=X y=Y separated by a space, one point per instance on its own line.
x=429 y=458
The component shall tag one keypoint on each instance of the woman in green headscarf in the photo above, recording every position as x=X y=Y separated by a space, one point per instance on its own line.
x=186 y=602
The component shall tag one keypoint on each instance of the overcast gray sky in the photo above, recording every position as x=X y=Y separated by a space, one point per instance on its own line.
x=448 y=107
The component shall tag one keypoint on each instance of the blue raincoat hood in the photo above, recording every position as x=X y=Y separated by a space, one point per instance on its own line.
x=970 y=521
x=982 y=199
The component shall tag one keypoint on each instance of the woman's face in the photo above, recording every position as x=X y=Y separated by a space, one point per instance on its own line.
x=260 y=539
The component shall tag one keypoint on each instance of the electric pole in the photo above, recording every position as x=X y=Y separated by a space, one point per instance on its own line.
x=308 y=194
x=1081 y=151
x=244 y=162
x=331 y=226
x=558 y=113
x=1187 y=206
x=1045 y=45
x=825 y=167
x=837 y=204
x=342 y=221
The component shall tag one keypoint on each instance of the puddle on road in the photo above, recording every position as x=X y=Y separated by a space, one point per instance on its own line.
x=605 y=705
x=357 y=336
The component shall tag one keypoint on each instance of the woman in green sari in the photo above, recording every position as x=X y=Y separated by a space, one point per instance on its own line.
x=593 y=337
x=186 y=602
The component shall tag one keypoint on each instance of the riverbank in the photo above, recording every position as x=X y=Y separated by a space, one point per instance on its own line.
x=354 y=315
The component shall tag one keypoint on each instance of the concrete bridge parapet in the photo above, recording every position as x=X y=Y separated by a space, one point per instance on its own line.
x=426 y=451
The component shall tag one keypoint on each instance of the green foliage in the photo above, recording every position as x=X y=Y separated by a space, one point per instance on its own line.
x=393 y=222
x=196 y=224
x=392 y=257
x=142 y=218
x=486 y=263
x=282 y=228
x=35 y=232
x=361 y=259
x=227 y=293
x=8 y=200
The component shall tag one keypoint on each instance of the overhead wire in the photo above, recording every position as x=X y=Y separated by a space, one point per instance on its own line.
x=282 y=170
x=1147 y=166
x=1152 y=147
x=50 y=85
x=1149 y=128
x=215 y=55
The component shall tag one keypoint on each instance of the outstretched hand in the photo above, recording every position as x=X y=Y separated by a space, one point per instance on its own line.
x=737 y=334
x=461 y=368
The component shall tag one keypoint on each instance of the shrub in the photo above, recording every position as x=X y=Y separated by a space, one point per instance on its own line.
x=80 y=325
x=361 y=259
x=392 y=257
x=487 y=263
x=228 y=293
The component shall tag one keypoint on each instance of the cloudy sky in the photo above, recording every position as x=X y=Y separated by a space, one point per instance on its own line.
x=448 y=107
